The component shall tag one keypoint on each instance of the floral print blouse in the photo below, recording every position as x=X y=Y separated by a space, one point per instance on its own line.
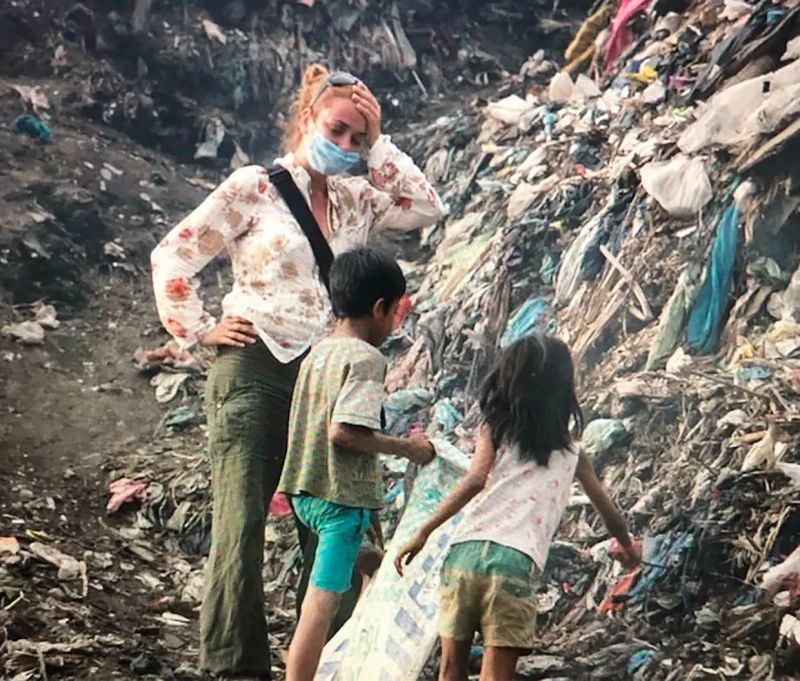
x=276 y=279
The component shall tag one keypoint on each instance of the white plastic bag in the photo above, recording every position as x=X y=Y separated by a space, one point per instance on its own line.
x=723 y=119
x=561 y=87
x=680 y=185
x=508 y=110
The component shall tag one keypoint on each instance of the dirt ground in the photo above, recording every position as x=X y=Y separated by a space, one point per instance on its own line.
x=75 y=409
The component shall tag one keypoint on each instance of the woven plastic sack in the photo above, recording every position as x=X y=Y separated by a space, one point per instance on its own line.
x=393 y=629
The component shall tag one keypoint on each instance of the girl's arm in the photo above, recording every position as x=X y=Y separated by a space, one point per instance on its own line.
x=607 y=509
x=399 y=194
x=467 y=489
x=225 y=214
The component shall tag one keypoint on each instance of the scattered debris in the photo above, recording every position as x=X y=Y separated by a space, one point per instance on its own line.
x=27 y=333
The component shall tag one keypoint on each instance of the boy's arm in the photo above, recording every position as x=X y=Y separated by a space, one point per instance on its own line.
x=603 y=505
x=356 y=418
x=367 y=441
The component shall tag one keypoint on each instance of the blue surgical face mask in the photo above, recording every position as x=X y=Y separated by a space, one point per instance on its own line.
x=327 y=158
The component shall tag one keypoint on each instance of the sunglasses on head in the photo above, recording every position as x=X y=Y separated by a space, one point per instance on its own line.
x=338 y=79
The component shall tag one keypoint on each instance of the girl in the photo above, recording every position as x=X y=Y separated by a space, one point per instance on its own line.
x=276 y=309
x=520 y=480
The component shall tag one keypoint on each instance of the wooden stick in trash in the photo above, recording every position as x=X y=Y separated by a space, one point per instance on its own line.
x=632 y=283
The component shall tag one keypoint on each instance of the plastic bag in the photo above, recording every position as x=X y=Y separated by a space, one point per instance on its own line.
x=601 y=435
x=723 y=119
x=561 y=87
x=680 y=185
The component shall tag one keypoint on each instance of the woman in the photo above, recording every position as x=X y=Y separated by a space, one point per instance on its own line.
x=277 y=308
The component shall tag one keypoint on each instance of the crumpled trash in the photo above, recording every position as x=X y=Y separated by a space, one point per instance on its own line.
x=214 y=133
x=734 y=9
x=762 y=452
x=46 y=316
x=525 y=320
x=167 y=386
x=403 y=408
x=446 y=415
x=508 y=110
x=32 y=126
x=639 y=659
x=182 y=416
x=561 y=87
x=680 y=185
x=737 y=417
x=27 y=333
x=726 y=113
x=9 y=546
x=678 y=362
x=674 y=315
x=654 y=93
x=125 y=490
x=214 y=32
x=621 y=36
x=792 y=50
x=602 y=435
x=69 y=568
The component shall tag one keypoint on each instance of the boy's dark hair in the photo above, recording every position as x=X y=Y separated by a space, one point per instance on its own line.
x=361 y=277
x=529 y=398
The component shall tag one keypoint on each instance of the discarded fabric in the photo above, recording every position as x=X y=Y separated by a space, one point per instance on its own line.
x=706 y=317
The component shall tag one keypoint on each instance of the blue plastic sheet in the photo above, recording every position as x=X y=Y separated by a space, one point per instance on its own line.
x=706 y=318
x=524 y=322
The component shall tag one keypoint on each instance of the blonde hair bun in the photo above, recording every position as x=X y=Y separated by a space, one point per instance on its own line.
x=313 y=78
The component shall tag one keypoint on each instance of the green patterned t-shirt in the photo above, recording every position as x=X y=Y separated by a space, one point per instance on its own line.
x=341 y=381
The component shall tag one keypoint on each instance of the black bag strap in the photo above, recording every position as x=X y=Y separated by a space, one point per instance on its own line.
x=282 y=180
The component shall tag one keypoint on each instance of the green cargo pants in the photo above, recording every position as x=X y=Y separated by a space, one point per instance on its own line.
x=248 y=397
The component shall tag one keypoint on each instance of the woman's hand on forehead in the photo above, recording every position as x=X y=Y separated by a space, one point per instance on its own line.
x=370 y=109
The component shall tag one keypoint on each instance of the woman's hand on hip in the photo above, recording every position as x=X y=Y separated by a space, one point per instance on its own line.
x=370 y=109
x=234 y=331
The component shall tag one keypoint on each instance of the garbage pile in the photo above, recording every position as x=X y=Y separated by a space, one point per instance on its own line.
x=655 y=233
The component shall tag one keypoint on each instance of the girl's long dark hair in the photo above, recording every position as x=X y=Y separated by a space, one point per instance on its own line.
x=529 y=398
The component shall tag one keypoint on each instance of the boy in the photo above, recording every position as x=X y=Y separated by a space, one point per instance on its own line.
x=332 y=473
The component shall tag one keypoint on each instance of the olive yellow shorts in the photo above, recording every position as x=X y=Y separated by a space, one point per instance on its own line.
x=489 y=588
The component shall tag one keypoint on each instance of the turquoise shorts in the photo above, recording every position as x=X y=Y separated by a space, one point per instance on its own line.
x=340 y=531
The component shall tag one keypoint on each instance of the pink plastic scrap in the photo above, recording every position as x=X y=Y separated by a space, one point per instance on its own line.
x=279 y=505
x=124 y=491
x=621 y=37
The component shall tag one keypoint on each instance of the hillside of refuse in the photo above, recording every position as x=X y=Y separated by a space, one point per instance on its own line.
x=620 y=174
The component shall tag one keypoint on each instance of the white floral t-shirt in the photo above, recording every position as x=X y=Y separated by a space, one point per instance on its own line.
x=522 y=503
x=276 y=278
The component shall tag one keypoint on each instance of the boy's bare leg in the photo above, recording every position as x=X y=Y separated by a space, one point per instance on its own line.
x=455 y=660
x=499 y=664
x=319 y=609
